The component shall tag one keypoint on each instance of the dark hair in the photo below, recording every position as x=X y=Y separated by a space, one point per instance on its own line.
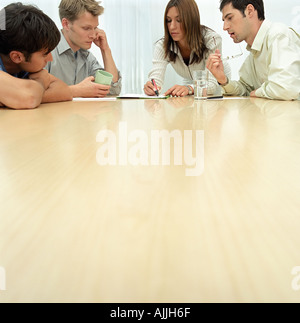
x=241 y=5
x=190 y=16
x=28 y=30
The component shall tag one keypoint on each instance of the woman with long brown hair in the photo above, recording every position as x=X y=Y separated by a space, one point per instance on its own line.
x=186 y=46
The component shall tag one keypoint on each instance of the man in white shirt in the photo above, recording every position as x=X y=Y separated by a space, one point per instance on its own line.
x=272 y=69
x=72 y=61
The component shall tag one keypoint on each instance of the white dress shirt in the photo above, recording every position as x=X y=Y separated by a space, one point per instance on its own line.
x=273 y=65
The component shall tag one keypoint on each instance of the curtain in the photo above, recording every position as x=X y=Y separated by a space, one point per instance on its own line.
x=132 y=28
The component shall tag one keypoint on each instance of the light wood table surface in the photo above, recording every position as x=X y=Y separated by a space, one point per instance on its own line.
x=72 y=230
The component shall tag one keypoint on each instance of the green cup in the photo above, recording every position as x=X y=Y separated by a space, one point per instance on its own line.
x=103 y=77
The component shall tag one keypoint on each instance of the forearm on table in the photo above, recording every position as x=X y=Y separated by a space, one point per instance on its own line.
x=28 y=96
x=58 y=91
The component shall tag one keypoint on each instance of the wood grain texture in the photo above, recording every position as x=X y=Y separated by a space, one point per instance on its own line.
x=74 y=231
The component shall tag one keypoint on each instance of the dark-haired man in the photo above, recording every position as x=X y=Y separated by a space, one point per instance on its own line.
x=26 y=43
x=272 y=70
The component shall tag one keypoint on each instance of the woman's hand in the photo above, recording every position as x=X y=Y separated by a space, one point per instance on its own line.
x=178 y=90
x=149 y=89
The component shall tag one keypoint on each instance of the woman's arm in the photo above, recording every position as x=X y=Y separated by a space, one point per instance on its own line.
x=158 y=71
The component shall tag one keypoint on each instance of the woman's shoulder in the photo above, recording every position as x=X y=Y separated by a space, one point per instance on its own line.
x=209 y=33
x=159 y=51
x=159 y=43
x=159 y=46
x=211 y=37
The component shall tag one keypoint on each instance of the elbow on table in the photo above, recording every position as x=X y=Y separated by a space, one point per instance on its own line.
x=25 y=102
x=286 y=89
x=31 y=102
x=278 y=91
x=292 y=95
x=287 y=95
x=29 y=98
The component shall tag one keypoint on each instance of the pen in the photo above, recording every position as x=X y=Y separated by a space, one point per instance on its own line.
x=155 y=87
x=215 y=97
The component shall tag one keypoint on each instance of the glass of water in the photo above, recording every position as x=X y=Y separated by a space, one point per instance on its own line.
x=200 y=84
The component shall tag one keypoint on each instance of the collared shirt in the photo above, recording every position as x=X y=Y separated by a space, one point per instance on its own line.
x=21 y=75
x=72 y=68
x=273 y=65
x=212 y=40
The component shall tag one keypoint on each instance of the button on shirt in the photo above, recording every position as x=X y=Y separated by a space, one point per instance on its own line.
x=72 y=68
x=273 y=65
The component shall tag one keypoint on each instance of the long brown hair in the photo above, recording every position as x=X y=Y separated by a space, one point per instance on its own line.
x=190 y=17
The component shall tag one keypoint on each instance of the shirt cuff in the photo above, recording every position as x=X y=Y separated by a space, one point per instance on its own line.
x=260 y=93
x=228 y=88
x=116 y=84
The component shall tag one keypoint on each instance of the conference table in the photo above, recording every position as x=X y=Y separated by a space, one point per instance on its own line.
x=151 y=201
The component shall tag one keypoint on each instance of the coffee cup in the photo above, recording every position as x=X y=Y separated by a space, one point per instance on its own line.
x=103 y=77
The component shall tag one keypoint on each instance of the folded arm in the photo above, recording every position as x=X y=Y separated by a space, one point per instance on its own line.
x=57 y=91
x=20 y=94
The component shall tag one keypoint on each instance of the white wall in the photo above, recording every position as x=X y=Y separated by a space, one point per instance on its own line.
x=133 y=26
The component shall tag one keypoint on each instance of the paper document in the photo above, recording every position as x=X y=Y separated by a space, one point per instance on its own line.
x=94 y=99
x=142 y=96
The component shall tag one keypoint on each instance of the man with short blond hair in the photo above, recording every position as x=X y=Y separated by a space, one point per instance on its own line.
x=72 y=61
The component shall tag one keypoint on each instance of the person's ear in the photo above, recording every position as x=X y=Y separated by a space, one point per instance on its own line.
x=65 y=24
x=17 y=57
x=250 y=10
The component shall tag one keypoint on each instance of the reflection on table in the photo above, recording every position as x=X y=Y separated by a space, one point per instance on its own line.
x=139 y=229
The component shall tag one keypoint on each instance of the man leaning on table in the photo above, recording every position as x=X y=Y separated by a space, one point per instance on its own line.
x=72 y=62
x=272 y=69
x=27 y=37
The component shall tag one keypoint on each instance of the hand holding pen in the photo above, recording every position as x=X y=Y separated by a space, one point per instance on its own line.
x=151 y=88
x=155 y=87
